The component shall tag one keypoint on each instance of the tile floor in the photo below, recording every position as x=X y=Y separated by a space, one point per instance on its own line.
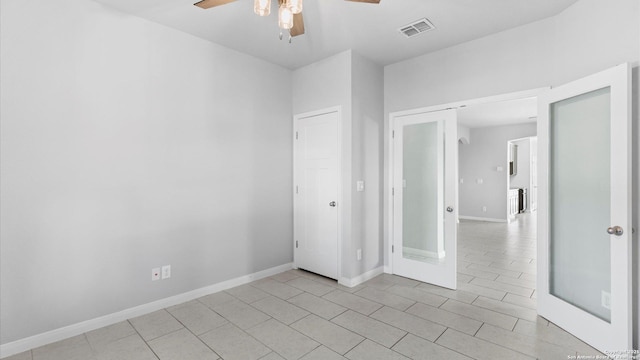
x=299 y=315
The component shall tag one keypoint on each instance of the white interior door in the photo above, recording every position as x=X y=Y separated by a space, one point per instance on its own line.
x=584 y=204
x=316 y=193
x=425 y=151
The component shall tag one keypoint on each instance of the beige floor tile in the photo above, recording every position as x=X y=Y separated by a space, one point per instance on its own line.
x=529 y=277
x=279 y=309
x=310 y=286
x=156 y=324
x=322 y=353
x=496 y=270
x=21 y=356
x=385 y=298
x=231 y=343
x=181 y=345
x=420 y=349
x=276 y=288
x=474 y=273
x=352 y=302
x=481 y=290
x=75 y=348
x=410 y=323
x=477 y=348
x=328 y=334
x=282 y=339
x=368 y=350
x=552 y=334
x=99 y=338
x=399 y=280
x=484 y=315
x=419 y=295
x=285 y=276
x=506 y=308
x=460 y=295
x=319 y=306
x=516 y=267
x=446 y=318
x=501 y=286
x=131 y=348
x=372 y=329
x=242 y=315
x=272 y=356
x=197 y=317
x=525 y=344
x=216 y=299
x=464 y=277
x=521 y=301
x=517 y=282
x=247 y=293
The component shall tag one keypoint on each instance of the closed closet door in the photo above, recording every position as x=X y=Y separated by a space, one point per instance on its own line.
x=316 y=204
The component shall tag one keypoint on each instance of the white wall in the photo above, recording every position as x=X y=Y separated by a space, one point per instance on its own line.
x=367 y=146
x=126 y=145
x=479 y=160
x=587 y=37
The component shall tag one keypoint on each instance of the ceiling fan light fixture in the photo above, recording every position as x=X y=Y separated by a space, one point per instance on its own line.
x=295 y=6
x=285 y=17
x=262 y=7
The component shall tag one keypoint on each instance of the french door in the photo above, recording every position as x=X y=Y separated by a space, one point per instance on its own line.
x=425 y=150
x=584 y=221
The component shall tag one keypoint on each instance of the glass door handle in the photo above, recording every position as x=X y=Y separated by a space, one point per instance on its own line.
x=615 y=230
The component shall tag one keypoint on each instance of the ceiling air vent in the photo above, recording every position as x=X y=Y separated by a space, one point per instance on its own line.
x=417 y=27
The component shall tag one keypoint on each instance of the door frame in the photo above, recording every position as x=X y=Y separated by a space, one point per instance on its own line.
x=388 y=161
x=339 y=200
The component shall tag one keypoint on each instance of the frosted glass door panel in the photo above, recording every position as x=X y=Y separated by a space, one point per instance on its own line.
x=422 y=193
x=579 y=211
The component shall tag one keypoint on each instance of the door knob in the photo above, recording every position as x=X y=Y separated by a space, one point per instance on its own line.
x=332 y=204
x=615 y=230
x=449 y=209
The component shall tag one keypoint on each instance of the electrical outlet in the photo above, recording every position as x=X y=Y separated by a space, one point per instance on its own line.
x=484 y=209
x=166 y=272
x=155 y=274
x=359 y=254
x=360 y=185
x=479 y=181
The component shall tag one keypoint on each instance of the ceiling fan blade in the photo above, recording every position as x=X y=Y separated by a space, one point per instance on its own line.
x=366 y=1
x=298 y=25
x=205 y=4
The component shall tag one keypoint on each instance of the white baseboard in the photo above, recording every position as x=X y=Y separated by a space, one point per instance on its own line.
x=351 y=282
x=66 y=332
x=482 y=219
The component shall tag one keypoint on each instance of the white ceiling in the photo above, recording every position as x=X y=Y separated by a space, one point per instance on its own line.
x=333 y=26
x=510 y=112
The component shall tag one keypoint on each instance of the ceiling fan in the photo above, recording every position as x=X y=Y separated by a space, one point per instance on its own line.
x=289 y=12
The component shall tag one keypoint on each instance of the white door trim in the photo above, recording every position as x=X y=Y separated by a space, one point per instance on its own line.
x=296 y=117
x=388 y=197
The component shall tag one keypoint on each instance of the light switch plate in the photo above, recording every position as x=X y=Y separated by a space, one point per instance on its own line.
x=360 y=185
